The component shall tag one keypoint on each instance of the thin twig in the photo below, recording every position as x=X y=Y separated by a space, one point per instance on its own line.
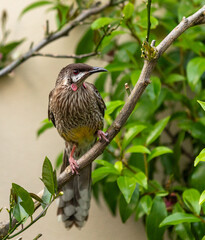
x=148 y=19
x=65 y=56
x=129 y=106
x=52 y=37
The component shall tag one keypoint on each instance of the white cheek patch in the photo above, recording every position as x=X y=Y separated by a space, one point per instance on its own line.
x=76 y=78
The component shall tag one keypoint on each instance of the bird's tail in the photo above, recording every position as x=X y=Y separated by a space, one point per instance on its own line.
x=74 y=204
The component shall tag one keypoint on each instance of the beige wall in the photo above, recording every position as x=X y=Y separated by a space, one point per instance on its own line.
x=23 y=105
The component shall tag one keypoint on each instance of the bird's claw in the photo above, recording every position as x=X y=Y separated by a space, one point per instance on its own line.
x=73 y=165
x=102 y=135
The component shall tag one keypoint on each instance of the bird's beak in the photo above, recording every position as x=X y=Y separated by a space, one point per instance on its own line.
x=97 y=69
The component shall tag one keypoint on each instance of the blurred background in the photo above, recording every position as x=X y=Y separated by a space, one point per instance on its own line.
x=23 y=105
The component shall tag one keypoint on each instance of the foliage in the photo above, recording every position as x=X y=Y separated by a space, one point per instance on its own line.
x=164 y=134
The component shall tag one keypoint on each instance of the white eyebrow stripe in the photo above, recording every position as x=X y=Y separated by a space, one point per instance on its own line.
x=75 y=78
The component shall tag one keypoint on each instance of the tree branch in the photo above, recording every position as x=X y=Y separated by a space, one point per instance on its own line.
x=64 y=56
x=144 y=80
x=52 y=37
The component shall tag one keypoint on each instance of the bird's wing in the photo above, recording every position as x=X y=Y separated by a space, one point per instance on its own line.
x=98 y=97
x=50 y=113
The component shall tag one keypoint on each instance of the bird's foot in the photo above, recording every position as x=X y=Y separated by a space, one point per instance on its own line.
x=102 y=135
x=73 y=165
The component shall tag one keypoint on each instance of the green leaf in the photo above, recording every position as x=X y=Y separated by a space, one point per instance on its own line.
x=172 y=78
x=203 y=238
x=158 y=151
x=128 y=10
x=103 y=172
x=195 y=68
x=202 y=104
x=157 y=214
x=83 y=48
x=27 y=202
x=127 y=209
x=46 y=125
x=143 y=22
x=119 y=166
x=131 y=133
x=101 y=22
x=127 y=186
x=19 y=212
x=46 y=198
x=200 y=158
x=146 y=203
x=8 y=48
x=138 y=149
x=202 y=198
x=34 y=5
x=104 y=163
x=191 y=199
x=157 y=130
x=111 y=106
x=36 y=197
x=177 y=218
x=196 y=129
x=141 y=179
x=48 y=176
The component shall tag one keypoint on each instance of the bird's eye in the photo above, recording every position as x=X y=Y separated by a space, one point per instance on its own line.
x=75 y=71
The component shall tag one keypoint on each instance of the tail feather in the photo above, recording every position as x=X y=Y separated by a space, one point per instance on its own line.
x=74 y=204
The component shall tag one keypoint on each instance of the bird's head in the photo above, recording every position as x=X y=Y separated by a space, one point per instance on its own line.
x=75 y=74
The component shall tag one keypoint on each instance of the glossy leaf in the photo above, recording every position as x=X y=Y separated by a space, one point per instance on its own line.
x=179 y=217
x=141 y=179
x=111 y=106
x=128 y=10
x=138 y=149
x=159 y=151
x=19 y=212
x=126 y=210
x=48 y=177
x=195 y=69
x=46 y=125
x=191 y=199
x=200 y=157
x=103 y=172
x=131 y=133
x=157 y=130
x=127 y=186
x=26 y=200
x=172 y=78
x=46 y=198
x=101 y=22
x=202 y=198
x=202 y=104
x=146 y=203
x=157 y=214
x=83 y=48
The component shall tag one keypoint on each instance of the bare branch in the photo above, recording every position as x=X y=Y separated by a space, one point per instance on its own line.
x=144 y=80
x=52 y=37
x=65 y=56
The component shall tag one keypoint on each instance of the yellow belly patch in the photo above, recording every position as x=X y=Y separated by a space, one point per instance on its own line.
x=80 y=134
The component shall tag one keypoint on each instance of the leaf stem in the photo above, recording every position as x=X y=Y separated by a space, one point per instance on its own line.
x=148 y=19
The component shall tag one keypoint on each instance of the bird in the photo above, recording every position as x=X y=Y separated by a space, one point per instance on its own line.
x=76 y=109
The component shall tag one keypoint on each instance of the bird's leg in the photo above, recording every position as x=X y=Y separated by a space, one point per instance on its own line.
x=102 y=135
x=73 y=164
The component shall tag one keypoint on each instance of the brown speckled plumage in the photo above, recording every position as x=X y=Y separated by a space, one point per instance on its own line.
x=77 y=115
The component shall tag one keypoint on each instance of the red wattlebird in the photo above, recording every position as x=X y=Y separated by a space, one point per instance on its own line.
x=76 y=109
